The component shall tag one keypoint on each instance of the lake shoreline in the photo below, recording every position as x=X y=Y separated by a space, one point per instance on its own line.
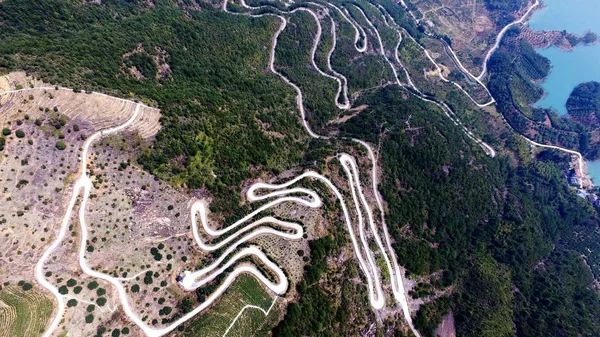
x=566 y=34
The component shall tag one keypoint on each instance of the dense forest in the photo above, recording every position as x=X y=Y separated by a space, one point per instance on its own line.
x=510 y=6
x=583 y=104
x=496 y=232
x=319 y=312
x=503 y=11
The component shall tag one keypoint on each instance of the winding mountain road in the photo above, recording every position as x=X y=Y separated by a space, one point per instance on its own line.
x=241 y=232
x=85 y=183
x=368 y=265
x=500 y=36
x=479 y=78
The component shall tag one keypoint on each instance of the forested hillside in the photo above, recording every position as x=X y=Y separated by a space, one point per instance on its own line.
x=497 y=232
x=504 y=10
x=583 y=104
x=208 y=92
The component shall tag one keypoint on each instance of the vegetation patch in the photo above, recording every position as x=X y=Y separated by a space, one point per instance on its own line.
x=23 y=312
x=245 y=290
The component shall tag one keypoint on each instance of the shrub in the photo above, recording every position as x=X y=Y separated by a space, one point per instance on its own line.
x=61 y=145
x=166 y=310
x=101 y=301
x=148 y=277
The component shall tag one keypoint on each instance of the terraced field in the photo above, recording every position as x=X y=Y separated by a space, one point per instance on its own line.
x=23 y=313
x=246 y=290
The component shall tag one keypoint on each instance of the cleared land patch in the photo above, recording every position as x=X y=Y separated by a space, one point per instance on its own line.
x=43 y=131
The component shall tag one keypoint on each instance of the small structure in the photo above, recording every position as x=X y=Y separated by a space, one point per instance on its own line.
x=575 y=177
x=574 y=180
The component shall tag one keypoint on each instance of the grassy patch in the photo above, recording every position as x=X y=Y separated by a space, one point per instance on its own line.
x=245 y=290
x=23 y=313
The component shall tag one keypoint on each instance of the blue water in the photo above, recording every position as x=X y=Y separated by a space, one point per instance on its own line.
x=593 y=169
x=569 y=68
x=575 y=16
